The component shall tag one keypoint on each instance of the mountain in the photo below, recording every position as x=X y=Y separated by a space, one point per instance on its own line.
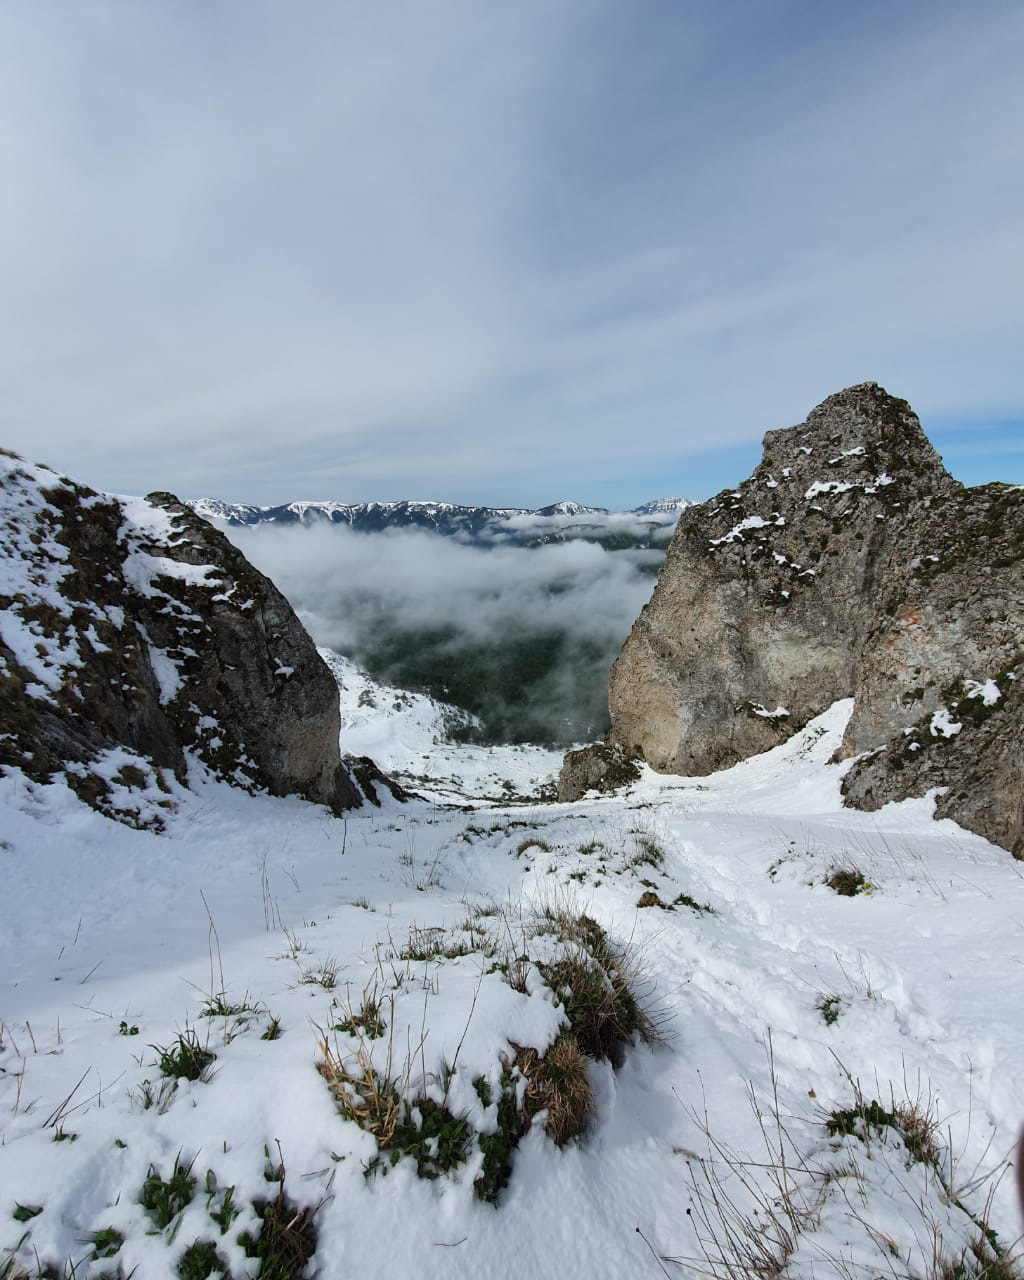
x=663 y=506
x=647 y=525
x=722 y=1027
x=849 y=564
x=137 y=645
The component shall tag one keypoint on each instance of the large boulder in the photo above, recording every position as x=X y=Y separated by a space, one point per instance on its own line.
x=134 y=636
x=599 y=767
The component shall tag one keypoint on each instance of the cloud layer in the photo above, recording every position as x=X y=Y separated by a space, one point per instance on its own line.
x=530 y=633
x=499 y=254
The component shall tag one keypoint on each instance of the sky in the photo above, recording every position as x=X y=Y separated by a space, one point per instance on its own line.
x=501 y=254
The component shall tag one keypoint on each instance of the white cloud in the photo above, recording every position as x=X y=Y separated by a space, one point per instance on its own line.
x=356 y=591
x=370 y=251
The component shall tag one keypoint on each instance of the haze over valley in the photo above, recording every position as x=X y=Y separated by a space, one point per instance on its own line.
x=514 y=616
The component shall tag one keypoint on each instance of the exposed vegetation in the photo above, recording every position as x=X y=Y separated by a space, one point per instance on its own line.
x=847 y=882
x=163 y=1199
x=185 y=1058
x=829 y=1007
x=593 y=980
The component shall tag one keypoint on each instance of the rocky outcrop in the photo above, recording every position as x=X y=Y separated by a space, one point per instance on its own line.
x=373 y=781
x=134 y=636
x=596 y=768
x=849 y=563
x=759 y=615
x=939 y=694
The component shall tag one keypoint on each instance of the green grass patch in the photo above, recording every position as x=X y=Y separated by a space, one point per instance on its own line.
x=185 y=1058
x=163 y=1199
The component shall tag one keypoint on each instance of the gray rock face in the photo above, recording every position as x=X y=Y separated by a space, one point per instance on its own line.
x=849 y=563
x=940 y=685
x=133 y=633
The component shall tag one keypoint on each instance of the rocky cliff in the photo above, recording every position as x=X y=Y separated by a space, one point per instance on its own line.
x=849 y=563
x=133 y=636
x=939 y=690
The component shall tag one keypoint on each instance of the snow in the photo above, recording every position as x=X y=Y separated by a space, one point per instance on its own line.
x=143 y=518
x=943 y=725
x=987 y=691
x=141 y=570
x=267 y=900
x=828 y=486
x=736 y=532
x=167 y=672
x=33 y=566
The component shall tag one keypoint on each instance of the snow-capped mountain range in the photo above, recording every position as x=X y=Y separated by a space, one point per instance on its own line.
x=558 y=521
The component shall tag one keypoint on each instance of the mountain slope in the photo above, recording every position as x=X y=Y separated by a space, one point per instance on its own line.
x=287 y=943
x=134 y=638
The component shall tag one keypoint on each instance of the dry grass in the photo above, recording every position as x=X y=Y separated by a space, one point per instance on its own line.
x=373 y=1102
x=557 y=1084
x=596 y=982
x=753 y=1214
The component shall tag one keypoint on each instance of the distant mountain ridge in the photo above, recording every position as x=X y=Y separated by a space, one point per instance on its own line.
x=560 y=521
x=367 y=514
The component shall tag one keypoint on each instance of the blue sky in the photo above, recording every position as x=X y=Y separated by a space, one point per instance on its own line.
x=507 y=254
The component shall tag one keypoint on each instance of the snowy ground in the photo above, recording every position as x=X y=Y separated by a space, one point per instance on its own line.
x=114 y=942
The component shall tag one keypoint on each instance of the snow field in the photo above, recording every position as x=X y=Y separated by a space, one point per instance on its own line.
x=307 y=919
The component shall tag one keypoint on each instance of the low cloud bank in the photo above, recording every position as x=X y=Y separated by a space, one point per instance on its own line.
x=524 y=637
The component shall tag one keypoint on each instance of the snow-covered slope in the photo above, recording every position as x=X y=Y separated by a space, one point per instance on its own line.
x=410 y=736
x=421 y=942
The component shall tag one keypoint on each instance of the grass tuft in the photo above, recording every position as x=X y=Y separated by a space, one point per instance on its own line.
x=915 y=1123
x=219 y=1006
x=164 y=1200
x=185 y=1058
x=595 y=985
x=106 y=1242
x=201 y=1260
x=367 y=1021
x=324 y=975
x=557 y=1084
x=829 y=1007
x=848 y=882
x=286 y=1240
